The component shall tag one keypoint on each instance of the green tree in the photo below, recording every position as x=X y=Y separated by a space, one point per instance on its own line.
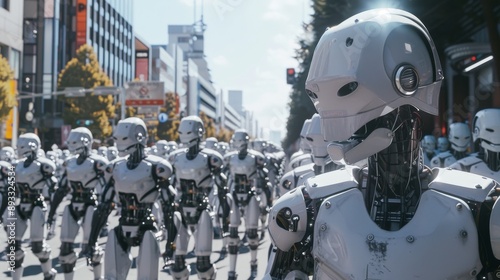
x=84 y=71
x=209 y=124
x=168 y=130
x=7 y=99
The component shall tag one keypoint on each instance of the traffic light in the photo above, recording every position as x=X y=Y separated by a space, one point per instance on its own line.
x=290 y=76
x=84 y=122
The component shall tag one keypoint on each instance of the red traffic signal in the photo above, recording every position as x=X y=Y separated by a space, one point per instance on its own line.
x=290 y=76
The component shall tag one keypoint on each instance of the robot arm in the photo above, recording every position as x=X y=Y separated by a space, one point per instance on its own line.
x=57 y=197
x=48 y=169
x=216 y=165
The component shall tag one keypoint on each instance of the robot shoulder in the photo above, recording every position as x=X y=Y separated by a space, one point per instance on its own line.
x=287 y=181
x=214 y=157
x=112 y=165
x=176 y=153
x=466 y=162
x=163 y=168
x=333 y=182
x=229 y=155
x=101 y=162
x=47 y=165
x=461 y=184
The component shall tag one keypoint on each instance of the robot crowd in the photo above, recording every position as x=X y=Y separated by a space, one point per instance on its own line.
x=365 y=197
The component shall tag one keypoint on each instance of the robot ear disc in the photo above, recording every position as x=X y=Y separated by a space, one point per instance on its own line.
x=139 y=137
x=406 y=80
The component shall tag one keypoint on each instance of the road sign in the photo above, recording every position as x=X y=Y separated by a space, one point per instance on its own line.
x=162 y=117
x=148 y=93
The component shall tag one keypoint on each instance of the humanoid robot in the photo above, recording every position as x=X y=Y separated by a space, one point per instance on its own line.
x=172 y=146
x=442 y=145
x=196 y=172
x=7 y=161
x=272 y=167
x=428 y=148
x=247 y=176
x=394 y=219
x=485 y=132
x=303 y=155
x=459 y=136
x=33 y=175
x=84 y=176
x=112 y=153
x=162 y=148
x=321 y=160
x=137 y=181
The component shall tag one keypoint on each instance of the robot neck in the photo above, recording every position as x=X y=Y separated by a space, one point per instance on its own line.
x=136 y=157
x=458 y=155
x=82 y=157
x=492 y=159
x=29 y=160
x=242 y=153
x=193 y=151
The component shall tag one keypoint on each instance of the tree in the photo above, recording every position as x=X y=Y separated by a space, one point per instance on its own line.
x=209 y=125
x=84 y=71
x=168 y=130
x=224 y=135
x=7 y=99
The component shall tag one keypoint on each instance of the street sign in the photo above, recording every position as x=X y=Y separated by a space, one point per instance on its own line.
x=162 y=117
x=147 y=93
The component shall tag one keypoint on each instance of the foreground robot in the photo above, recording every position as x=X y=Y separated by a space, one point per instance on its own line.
x=196 y=171
x=247 y=177
x=394 y=219
x=137 y=181
x=84 y=176
x=33 y=175
x=459 y=137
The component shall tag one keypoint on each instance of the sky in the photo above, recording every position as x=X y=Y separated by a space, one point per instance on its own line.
x=248 y=46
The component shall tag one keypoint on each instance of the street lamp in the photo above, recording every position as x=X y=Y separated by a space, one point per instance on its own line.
x=105 y=90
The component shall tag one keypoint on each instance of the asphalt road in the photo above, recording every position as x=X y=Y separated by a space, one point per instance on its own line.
x=33 y=271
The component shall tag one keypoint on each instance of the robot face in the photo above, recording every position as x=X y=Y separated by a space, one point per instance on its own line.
x=443 y=145
x=459 y=136
x=352 y=80
x=129 y=133
x=315 y=140
x=429 y=144
x=303 y=143
x=79 y=140
x=51 y=155
x=162 y=147
x=7 y=154
x=486 y=129
x=103 y=151
x=211 y=143
x=191 y=131
x=112 y=153
x=28 y=144
x=240 y=140
x=259 y=145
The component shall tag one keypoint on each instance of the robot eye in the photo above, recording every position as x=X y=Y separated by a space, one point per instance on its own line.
x=347 y=89
x=309 y=139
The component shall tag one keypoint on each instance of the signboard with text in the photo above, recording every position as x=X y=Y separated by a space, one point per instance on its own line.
x=150 y=93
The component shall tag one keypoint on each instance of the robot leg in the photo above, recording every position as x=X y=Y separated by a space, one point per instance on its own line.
x=179 y=270
x=203 y=247
x=147 y=260
x=117 y=262
x=157 y=212
x=67 y=256
x=252 y=222
x=97 y=256
x=19 y=226
x=38 y=245
x=234 y=238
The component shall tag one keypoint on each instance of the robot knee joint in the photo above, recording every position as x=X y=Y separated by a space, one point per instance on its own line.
x=203 y=264
x=233 y=232
x=209 y=273
x=19 y=258
x=68 y=262
x=41 y=250
x=66 y=248
x=252 y=233
x=233 y=249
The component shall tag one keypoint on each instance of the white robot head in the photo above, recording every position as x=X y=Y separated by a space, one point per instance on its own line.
x=353 y=80
x=315 y=140
x=260 y=145
x=429 y=144
x=303 y=143
x=8 y=154
x=212 y=143
x=486 y=129
x=172 y=146
x=129 y=134
x=103 y=151
x=223 y=147
x=28 y=145
x=162 y=147
x=459 y=136
x=191 y=131
x=52 y=155
x=80 y=140
x=240 y=140
x=443 y=144
x=112 y=153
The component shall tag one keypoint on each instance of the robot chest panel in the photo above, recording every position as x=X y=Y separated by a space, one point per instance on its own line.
x=349 y=245
x=196 y=169
x=244 y=166
x=138 y=181
x=82 y=173
x=30 y=175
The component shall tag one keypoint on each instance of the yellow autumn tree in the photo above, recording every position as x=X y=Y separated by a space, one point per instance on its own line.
x=84 y=71
x=7 y=100
x=168 y=130
x=209 y=124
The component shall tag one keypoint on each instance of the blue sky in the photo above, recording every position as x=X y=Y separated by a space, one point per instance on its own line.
x=248 y=45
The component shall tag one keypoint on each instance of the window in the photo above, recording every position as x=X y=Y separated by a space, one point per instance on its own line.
x=4 y=4
x=183 y=39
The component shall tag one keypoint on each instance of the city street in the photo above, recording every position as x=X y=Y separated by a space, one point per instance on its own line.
x=33 y=271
